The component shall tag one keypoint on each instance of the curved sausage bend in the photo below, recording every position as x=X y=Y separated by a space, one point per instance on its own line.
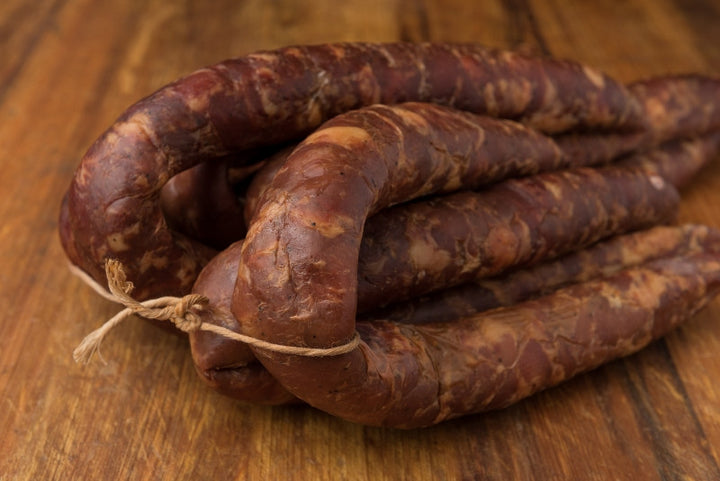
x=678 y=108
x=111 y=208
x=297 y=280
x=228 y=366
x=232 y=369
x=608 y=201
x=303 y=245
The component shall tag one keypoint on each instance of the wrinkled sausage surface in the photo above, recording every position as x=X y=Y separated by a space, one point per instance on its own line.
x=402 y=245
x=232 y=369
x=297 y=279
x=602 y=259
x=679 y=108
x=675 y=107
x=201 y=203
x=111 y=208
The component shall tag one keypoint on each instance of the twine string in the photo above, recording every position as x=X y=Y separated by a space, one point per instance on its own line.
x=183 y=312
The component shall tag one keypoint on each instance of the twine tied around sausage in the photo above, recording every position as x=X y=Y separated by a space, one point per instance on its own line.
x=183 y=312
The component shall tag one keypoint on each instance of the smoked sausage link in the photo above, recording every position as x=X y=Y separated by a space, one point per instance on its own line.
x=547 y=223
x=401 y=246
x=297 y=279
x=111 y=209
x=413 y=376
x=603 y=259
x=231 y=368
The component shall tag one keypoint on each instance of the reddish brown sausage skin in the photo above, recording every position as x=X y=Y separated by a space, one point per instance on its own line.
x=675 y=106
x=311 y=223
x=413 y=376
x=412 y=250
x=678 y=108
x=297 y=282
x=201 y=204
x=602 y=259
x=297 y=275
x=111 y=208
x=387 y=271
x=231 y=368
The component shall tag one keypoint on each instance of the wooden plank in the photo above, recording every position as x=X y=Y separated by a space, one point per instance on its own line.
x=71 y=66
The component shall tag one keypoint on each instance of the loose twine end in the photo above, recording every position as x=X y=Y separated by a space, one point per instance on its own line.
x=183 y=312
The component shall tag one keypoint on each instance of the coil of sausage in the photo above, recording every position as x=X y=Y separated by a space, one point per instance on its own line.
x=112 y=206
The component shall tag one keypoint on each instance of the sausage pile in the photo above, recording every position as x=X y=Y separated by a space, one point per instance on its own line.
x=488 y=223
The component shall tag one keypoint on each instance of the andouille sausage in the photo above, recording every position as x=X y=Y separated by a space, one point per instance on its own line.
x=602 y=259
x=111 y=208
x=392 y=266
x=232 y=369
x=217 y=358
x=678 y=107
x=311 y=222
x=675 y=106
x=201 y=204
x=297 y=279
x=409 y=376
x=415 y=249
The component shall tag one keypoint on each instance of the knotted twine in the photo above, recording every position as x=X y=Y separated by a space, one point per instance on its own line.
x=184 y=312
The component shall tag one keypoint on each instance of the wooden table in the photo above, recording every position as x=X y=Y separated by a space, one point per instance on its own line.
x=69 y=67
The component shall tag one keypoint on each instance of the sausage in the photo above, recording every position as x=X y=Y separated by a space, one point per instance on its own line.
x=386 y=273
x=251 y=382
x=677 y=162
x=257 y=185
x=200 y=203
x=602 y=259
x=218 y=356
x=675 y=107
x=339 y=176
x=450 y=240
x=660 y=98
x=111 y=207
x=297 y=278
x=412 y=376
x=232 y=369
x=390 y=235
x=412 y=250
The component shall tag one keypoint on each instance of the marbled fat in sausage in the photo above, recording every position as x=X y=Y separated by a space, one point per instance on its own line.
x=390 y=270
x=111 y=208
x=232 y=369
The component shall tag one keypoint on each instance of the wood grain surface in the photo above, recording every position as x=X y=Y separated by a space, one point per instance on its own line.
x=69 y=67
